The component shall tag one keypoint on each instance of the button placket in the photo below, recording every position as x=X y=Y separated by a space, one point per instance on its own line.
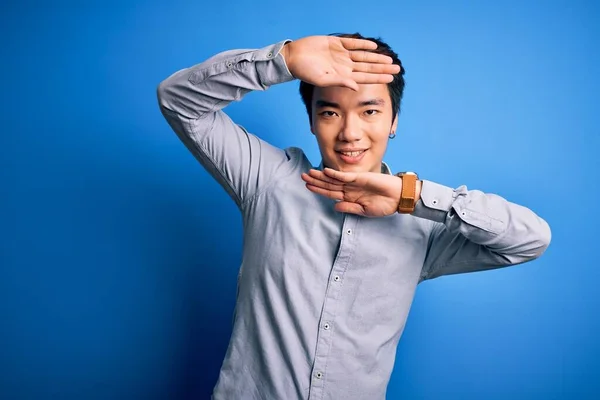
x=325 y=337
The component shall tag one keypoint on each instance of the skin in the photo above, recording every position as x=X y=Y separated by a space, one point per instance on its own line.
x=357 y=114
x=344 y=119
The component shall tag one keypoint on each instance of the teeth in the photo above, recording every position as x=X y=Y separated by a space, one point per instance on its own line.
x=352 y=153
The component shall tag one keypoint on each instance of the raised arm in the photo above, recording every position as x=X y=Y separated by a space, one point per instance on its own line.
x=469 y=230
x=192 y=100
x=477 y=231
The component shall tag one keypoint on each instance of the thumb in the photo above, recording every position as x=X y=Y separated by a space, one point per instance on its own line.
x=349 y=83
x=337 y=80
x=348 y=207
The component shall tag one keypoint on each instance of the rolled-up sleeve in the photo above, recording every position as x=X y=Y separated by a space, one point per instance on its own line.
x=474 y=231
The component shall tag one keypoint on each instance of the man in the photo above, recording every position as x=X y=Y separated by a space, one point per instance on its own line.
x=331 y=255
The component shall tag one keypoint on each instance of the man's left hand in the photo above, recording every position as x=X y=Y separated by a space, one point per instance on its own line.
x=368 y=194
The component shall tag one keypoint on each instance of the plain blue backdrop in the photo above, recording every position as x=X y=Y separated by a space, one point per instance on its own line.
x=119 y=254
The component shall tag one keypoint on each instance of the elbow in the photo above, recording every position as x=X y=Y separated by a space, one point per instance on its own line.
x=169 y=91
x=163 y=94
x=175 y=98
x=543 y=237
x=537 y=242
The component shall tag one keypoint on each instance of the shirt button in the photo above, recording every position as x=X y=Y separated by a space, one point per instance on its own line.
x=349 y=231
x=336 y=278
x=270 y=55
x=434 y=201
x=326 y=326
x=319 y=375
x=229 y=64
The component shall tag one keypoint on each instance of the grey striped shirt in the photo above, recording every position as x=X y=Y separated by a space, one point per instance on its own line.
x=323 y=296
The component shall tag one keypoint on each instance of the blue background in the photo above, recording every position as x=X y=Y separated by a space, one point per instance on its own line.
x=119 y=254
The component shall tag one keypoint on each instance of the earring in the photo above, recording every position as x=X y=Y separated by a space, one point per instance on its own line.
x=392 y=135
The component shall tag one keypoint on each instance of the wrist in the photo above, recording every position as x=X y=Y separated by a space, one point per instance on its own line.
x=285 y=53
x=410 y=192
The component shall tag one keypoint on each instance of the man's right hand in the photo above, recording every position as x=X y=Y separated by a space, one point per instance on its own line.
x=334 y=61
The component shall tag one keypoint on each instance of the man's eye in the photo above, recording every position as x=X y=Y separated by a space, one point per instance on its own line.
x=328 y=113
x=372 y=112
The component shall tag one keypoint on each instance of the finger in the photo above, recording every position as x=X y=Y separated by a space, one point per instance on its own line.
x=324 y=192
x=366 y=78
x=370 y=57
x=340 y=176
x=376 y=68
x=348 y=207
x=321 y=183
x=315 y=173
x=356 y=44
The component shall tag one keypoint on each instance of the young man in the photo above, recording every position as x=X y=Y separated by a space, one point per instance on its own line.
x=332 y=255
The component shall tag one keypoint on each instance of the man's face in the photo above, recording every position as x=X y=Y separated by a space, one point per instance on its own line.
x=352 y=128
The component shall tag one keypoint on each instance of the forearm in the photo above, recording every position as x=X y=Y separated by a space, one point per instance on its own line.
x=211 y=85
x=506 y=233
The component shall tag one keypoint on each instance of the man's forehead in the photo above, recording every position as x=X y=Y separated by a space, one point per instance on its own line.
x=367 y=101
x=376 y=94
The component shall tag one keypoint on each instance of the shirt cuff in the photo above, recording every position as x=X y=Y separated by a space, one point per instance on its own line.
x=435 y=202
x=274 y=70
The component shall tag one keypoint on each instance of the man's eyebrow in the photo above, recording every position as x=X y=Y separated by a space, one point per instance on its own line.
x=371 y=102
x=324 y=103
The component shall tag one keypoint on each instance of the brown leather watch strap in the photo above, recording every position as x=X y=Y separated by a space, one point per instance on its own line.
x=409 y=192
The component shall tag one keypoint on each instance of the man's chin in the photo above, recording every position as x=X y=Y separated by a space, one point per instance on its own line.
x=344 y=167
x=339 y=165
x=353 y=168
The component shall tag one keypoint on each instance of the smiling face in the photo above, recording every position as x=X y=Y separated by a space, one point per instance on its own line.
x=352 y=128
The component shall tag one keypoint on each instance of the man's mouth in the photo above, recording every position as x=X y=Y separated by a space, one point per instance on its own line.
x=351 y=157
x=352 y=153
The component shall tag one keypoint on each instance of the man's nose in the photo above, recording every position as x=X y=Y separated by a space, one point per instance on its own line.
x=351 y=130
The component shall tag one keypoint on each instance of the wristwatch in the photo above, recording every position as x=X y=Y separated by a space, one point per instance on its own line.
x=408 y=197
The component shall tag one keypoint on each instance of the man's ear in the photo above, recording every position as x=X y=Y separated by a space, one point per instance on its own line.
x=394 y=124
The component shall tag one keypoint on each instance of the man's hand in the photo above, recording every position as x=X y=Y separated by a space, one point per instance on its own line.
x=333 y=61
x=368 y=194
